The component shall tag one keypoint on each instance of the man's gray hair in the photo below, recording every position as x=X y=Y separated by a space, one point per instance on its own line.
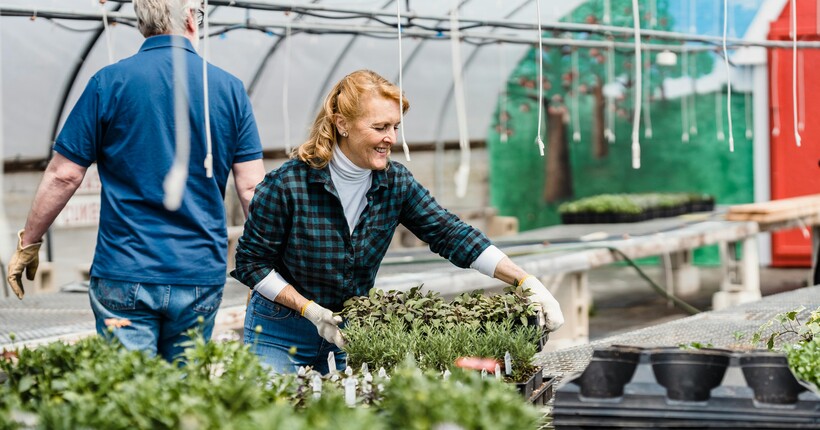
x=155 y=17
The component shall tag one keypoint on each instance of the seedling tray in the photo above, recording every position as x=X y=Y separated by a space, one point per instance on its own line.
x=645 y=404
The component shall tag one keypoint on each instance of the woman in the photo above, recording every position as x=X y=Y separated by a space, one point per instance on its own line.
x=319 y=226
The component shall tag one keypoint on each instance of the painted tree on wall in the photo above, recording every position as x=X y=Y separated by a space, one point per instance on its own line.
x=587 y=89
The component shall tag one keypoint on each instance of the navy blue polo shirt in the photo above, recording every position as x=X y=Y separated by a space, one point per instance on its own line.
x=124 y=121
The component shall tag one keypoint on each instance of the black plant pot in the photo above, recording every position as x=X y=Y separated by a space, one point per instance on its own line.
x=768 y=374
x=689 y=375
x=535 y=380
x=608 y=371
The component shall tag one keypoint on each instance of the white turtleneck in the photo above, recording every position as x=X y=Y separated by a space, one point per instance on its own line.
x=352 y=183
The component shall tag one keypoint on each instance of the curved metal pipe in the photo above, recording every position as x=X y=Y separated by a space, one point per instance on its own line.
x=439 y=142
x=325 y=82
x=257 y=75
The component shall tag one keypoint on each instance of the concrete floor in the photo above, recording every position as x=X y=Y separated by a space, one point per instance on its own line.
x=622 y=301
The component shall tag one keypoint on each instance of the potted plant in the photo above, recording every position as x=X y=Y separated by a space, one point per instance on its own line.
x=768 y=374
x=689 y=375
x=608 y=371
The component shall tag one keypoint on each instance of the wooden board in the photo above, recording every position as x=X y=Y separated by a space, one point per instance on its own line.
x=776 y=210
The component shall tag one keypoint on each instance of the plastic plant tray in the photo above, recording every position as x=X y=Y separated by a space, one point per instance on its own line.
x=645 y=404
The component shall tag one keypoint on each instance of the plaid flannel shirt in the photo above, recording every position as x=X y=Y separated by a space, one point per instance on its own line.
x=296 y=226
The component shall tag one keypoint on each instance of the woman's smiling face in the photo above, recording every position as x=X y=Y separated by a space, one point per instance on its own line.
x=372 y=135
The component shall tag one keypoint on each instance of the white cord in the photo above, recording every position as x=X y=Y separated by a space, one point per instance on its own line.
x=793 y=31
x=728 y=78
x=502 y=110
x=609 y=131
x=607 y=12
x=647 y=113
x=775 y=94
x=693 y=115
x=209 y=158
x=5 y=242
x=285 y=85
x=107 y=35
x=684 y=107
x=801 y=93
x=747 y=101
x=401 y=85
x=174 y=183
x=576 y=116
x=539 y=58
x=636 y=118
x=462 y=175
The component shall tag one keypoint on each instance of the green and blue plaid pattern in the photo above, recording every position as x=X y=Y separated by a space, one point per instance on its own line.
x=296 y=226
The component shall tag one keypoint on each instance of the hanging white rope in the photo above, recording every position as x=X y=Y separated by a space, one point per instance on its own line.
x=692 y=14
x=576 y=115
x=684 y=107
x=174 y=183
x=108 y=42
x=653 y=13
x=285 y=86
x=693 y=111
x=401 y=85
x=209 y=158
x=462 y=176
x=721 y=136
x=747 y=101
x=609 y=119
x=539 y=58
x=793 y=31
x=647 y=113
x=728 y=77
x=6 y=244
x=775 y=94
x=801 y=92
x=636 y=117
x=502 y=110
x=609 y=131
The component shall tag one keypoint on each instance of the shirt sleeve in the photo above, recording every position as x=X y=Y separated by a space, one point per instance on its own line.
x=261 y=242
x=446 y=234
x=249 y=146
x=80 y=136
x=488 y=260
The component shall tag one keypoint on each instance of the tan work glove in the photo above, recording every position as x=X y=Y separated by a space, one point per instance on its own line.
x=25 y=258
x=553 y=318
x=326 y=323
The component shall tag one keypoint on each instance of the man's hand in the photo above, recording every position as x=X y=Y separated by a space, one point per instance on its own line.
x=25 y=258
x=326 y=323
x=552 y=310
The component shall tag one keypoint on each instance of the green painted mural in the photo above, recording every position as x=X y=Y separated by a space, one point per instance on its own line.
x=582 y=158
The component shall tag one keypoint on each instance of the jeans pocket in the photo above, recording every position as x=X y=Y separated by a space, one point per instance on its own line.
x=115 y=295
x=264 y=308
x=208 y=299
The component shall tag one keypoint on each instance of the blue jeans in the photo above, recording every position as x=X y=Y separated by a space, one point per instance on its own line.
x=286 y=339
x=160 y=315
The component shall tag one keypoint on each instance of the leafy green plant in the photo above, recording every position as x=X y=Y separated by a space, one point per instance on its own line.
x=787 y=326
x=473 y=308
x=96 y=383
x=417 y=400
x=798 y=339
x=804 y=360
x=387 y=345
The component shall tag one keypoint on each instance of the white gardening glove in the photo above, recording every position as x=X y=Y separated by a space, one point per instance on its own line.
x=553 y=318
x=326 y=323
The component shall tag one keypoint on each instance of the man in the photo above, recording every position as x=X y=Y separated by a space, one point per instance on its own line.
x=160 y=269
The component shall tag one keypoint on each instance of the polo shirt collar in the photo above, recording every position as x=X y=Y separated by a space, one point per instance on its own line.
x=167 y=41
